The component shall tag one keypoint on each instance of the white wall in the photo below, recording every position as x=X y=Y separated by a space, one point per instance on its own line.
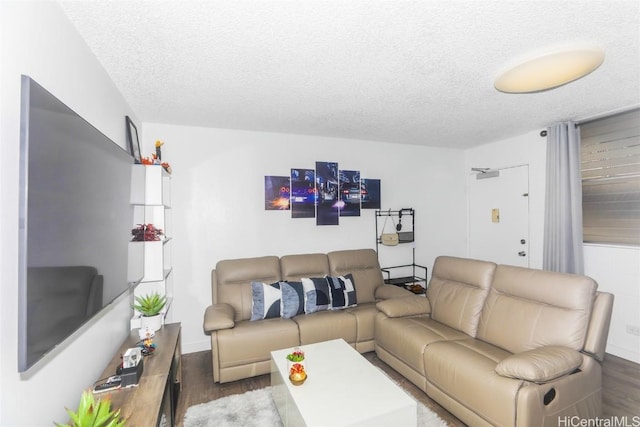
x=37 y=40
x=218 y=203
x=615 y=268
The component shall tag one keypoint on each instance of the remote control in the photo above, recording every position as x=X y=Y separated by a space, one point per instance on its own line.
x=106 y=386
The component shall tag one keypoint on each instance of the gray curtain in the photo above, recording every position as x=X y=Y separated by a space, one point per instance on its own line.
x=563 y=250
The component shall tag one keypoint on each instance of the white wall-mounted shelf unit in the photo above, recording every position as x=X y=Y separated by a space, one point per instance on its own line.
x=151 y=198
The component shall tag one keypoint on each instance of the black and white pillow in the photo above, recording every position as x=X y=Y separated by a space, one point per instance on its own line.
x=265 y=300
x=343 y=292
x=317 y=296
x=292 y=299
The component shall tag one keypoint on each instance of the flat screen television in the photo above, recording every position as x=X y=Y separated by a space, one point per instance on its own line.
x=75 y=226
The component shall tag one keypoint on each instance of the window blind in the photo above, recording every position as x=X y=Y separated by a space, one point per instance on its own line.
x=610 y=165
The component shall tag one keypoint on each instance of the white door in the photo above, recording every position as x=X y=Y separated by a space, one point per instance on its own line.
x=499 y=216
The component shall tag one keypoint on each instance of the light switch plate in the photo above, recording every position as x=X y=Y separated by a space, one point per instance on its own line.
x=495 y=215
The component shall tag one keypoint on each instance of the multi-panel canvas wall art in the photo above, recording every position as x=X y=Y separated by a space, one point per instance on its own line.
x=328 y=209
x=276 y=193
x=325 y=193
x=303 y=193
x=350 y=192
x=370 y=193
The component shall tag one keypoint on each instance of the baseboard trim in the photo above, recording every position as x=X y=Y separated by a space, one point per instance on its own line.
x=196 y=346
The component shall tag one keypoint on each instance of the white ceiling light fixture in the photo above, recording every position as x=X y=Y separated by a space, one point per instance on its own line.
x=550 y=69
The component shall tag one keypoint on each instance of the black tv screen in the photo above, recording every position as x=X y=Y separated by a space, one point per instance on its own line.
x=76 y=218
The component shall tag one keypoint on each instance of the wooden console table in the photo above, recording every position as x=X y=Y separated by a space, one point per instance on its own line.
x=153 y=401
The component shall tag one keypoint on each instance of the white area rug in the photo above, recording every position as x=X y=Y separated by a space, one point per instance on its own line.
x=256 y=409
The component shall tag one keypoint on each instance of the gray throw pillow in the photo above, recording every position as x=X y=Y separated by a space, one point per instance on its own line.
x=266 y=300
x=292 y=299
x=317 y=296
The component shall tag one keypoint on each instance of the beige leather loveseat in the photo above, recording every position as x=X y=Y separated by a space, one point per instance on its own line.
x=240 y=348
x=501 y=345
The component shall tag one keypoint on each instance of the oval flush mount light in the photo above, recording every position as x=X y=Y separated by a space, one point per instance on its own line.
x=549 y=70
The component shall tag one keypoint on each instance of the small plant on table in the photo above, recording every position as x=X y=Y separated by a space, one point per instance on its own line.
x=94 y=413
x=296 y=356
x=150 y=304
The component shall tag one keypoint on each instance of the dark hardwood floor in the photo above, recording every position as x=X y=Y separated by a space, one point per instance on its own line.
x=621 y=384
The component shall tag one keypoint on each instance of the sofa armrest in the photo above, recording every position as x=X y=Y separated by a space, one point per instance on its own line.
x=406 y=306
x=540 y=365
x=391 y=291
x=218 y=316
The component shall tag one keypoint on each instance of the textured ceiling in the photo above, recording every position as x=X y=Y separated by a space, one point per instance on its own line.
x=414 y=72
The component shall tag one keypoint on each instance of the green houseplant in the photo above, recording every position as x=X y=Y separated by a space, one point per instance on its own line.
x=150 y=307
x=93 y=413
x=150 y=304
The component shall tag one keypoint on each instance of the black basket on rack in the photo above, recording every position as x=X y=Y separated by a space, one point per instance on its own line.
x=405 y=236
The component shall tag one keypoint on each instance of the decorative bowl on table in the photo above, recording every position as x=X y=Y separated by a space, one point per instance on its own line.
x=297 y=374
x=298 y=378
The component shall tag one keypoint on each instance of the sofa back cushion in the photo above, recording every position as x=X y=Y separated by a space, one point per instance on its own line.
x=528 y=308
x=457 y=291
x=231 y=281
x=363 y=265
x=295 y=267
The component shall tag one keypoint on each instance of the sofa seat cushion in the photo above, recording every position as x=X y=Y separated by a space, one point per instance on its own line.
x=464 y=370
x=407 y=337
x=325 y=326
x=365 y=315
x=250 y=342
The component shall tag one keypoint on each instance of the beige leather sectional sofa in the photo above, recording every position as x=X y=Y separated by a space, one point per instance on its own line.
x=500 y=345
x=494 y=344
x=240 y=348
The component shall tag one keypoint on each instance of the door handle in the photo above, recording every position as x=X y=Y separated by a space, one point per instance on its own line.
x=522 y=253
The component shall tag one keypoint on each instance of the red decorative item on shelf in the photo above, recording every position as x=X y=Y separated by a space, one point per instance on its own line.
x=146 y=161
x=156 y=158
x=146 y=233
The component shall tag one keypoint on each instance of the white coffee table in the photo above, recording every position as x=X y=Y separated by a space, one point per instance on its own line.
x=342 y=389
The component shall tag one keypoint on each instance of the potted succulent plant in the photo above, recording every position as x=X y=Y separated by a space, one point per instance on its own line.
x=296 y=356
x=93 y=413
x=150 y=307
